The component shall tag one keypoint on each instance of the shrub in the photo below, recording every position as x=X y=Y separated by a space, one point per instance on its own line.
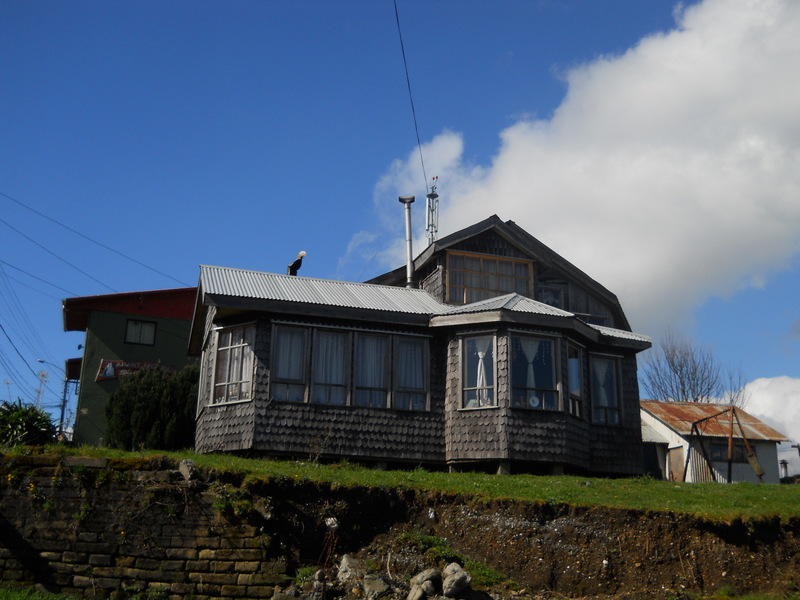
x=25 y=425
x=154 y=409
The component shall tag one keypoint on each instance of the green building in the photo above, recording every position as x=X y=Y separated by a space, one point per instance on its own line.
x=124 y=333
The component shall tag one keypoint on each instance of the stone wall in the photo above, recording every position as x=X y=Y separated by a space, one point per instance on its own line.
x=101 y=528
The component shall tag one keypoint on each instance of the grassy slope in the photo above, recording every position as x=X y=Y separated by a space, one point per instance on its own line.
x=715 y=501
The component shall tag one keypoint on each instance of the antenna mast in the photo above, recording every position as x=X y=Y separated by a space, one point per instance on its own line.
x=432 y=213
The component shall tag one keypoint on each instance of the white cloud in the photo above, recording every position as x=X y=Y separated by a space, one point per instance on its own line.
x=670 y=173
x=776 y=401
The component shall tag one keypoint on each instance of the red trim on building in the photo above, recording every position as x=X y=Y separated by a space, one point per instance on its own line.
x=169 y=304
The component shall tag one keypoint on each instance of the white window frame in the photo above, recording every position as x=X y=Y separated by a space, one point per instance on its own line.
x=246 y=365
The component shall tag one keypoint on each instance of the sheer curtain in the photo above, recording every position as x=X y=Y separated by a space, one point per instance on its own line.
x=329 y=367
x=370 y=365
x=410 y=374
x=485 y=373
x=530 y=348
x=289 y=354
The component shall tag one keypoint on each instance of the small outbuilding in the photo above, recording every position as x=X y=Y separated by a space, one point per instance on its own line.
x=694 y=442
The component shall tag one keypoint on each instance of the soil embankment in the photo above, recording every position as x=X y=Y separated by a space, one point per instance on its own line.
x=114 y=529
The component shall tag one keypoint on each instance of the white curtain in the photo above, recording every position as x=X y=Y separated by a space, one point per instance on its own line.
x=410 y=365
x=484 y=346
x=329 y=357
x=371 y=361
x=290 y=354
x=530 y=348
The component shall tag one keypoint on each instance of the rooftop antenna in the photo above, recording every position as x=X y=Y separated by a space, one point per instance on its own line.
x=432 y=213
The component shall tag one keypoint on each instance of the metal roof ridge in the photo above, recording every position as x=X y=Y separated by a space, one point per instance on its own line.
x=315 y=279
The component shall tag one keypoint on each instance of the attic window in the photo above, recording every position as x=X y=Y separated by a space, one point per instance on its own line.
x=473 y=277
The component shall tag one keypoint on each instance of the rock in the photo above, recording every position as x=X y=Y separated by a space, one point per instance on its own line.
x=416 y=593
x=187 y=469
x=374 y=587
x=432 y=574
x=351 y=568
x=456 y=580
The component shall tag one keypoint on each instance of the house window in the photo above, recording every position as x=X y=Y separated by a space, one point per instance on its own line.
x=233 y=373
x=288 y=371
x=371 y=370
x=605 y=391
x=473 y=277
x=533 y=373
x=411 y=374
x=140 y=332
x=478 y=371
x=575 y=380
x=339 y=367
x=329 y=367
x=718 y=452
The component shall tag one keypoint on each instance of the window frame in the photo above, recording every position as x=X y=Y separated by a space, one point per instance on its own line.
x=351 y=364
x=467 y=404
x=554 y=393
x=345 y=385
x=397 y=390
x=289 y=382
x=577 y=402
x=141 y=323
x=232 y=349
x=606 y=410
x=484 y=290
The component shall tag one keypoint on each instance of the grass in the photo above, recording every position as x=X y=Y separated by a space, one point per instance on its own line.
x=710 y=500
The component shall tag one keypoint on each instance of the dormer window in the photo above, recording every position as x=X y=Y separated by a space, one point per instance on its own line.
x=473 y=277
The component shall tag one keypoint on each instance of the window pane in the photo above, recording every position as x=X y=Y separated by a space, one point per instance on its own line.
x=478 y=371
x=533 y=379
x=370 y=362
x=233 y=372
x=289 y=353
x=329 y=358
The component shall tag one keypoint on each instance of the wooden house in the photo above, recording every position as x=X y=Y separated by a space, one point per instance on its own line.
x=499 y=356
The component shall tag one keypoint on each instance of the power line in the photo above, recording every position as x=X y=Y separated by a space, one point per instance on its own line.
x=410 y=95
x=65 y=261
x=35 y=277
x=89 y=239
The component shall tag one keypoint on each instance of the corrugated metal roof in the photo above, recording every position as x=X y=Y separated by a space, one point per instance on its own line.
x=306 y=290
x=512 y=302
x=620 y=333
x=679 y=416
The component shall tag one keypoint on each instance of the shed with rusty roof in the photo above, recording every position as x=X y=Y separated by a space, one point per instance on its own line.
x=692 y=441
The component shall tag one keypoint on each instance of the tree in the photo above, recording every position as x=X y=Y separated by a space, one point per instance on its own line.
x=25 y=424
x=154 y=409
x=678 y=371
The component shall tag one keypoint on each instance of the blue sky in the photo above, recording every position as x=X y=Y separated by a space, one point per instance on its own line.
x=654 y=146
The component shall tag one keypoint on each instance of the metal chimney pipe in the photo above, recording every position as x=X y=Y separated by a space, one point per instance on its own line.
x=407 y=200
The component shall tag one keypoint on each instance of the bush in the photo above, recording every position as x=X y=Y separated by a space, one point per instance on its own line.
x=154 y=409
x=25 y=425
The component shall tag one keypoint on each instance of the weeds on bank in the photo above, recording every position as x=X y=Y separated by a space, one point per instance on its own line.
x=711 y=500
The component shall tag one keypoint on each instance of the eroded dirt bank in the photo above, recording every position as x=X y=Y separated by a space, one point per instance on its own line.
x=112 y=529
x=556 y=550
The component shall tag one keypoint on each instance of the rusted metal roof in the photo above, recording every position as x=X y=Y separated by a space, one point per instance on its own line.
x=258 y=285
x=680 y=416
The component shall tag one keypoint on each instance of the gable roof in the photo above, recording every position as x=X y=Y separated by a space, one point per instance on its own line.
x=521 y=239
x=240 y=290
x=679 y=416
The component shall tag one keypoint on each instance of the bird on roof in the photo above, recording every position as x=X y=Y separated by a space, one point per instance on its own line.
x=295 y=266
